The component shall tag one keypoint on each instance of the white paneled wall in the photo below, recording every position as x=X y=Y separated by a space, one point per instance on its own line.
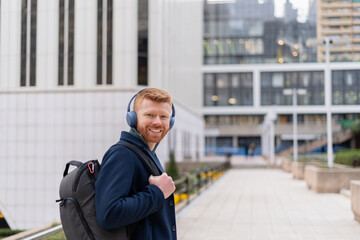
x=125 y=43
x=85 y=43
x=42 y=131
x=47 y=44
x=176 y=49
x=10 y=25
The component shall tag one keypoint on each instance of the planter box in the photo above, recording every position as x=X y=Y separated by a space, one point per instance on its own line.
x=286 y=164
x=355 y=198
x=324 y=180
x=298 y=168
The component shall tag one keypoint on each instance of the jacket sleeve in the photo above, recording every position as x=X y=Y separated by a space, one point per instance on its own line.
x=114 y=207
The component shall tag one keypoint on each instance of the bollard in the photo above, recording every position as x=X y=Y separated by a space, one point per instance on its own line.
x=187 y=184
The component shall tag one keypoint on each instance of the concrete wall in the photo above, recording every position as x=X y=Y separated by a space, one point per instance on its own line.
x=355 y=198
x=323 y=180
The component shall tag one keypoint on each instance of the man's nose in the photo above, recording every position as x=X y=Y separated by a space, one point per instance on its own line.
x=157 y=120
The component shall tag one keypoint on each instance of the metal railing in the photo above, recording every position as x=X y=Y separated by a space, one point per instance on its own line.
x=44 y=234
x=36 y=234
x=193 y=184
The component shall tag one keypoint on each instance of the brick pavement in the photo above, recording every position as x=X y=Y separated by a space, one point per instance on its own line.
x=266 y=204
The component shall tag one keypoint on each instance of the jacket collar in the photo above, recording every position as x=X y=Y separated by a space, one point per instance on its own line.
x=134 y=139
x=136 y=134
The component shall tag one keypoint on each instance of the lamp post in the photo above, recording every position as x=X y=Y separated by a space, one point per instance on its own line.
x=294 y=92
x=327 y=42
x=268 y=136
x=330 y=153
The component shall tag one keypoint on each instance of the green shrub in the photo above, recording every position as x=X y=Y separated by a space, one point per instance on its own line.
x=313 y=157
x=347 y=157
x=57 y=236
x=355 y=126
x=5 y=232
x=172 y=169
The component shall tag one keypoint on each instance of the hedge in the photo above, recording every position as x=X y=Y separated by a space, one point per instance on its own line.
x=5 y=232
x=347 y=157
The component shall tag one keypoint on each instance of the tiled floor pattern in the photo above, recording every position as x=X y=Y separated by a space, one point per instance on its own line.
x=266 y=204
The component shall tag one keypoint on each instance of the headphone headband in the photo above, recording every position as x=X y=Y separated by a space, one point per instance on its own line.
x=128 y=108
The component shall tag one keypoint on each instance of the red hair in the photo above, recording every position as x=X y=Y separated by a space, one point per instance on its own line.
x=154 y=94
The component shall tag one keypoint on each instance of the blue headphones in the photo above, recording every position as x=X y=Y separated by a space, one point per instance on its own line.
x=131 y=117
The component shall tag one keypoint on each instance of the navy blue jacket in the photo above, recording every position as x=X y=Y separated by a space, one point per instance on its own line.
x=123 y=195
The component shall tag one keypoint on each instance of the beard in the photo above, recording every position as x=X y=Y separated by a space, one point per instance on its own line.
x=152 y=134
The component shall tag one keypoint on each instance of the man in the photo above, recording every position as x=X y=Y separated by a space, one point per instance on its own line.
x=126 y=194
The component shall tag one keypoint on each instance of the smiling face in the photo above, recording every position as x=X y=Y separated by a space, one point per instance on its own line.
x=153 y=120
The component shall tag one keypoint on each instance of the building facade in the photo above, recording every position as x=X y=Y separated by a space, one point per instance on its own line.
x=247 y=32
x=244 y=44
x=339 y=19
x=68 y=69
x=237 y=99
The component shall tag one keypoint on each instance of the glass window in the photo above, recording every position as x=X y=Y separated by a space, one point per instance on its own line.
x=273 y=95
x=349 y=79
x=23 y=42
x=25 y=10
x=209 y=80
x=69 y=52
x=317 y=79
x=235 y=80
x=101 y=56
x=304 y=78
x=222 y=80
x=211 y=97
x=253 y=29
x=223 y=95
x=143 y=28
x=33 y=20
x=246 y=80
x=61 y=42
x=71 y=41
x=265 y=79
x=228 y=89
x=345 y=87
x=99 y=62
x=224 y=141
x=109 y=39
x=278 y=80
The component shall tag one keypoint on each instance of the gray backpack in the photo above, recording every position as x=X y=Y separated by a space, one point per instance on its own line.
x=77 y=200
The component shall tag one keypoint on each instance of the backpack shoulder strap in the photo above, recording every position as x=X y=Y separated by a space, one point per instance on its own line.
x=145 y=159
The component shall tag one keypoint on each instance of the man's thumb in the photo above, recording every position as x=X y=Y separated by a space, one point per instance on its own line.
x=151 y=178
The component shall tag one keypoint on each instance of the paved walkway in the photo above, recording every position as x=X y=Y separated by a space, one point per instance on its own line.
x=266 y=204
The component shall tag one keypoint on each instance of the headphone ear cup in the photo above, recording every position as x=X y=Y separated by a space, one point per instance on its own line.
x=172 y=121
x=131 y=119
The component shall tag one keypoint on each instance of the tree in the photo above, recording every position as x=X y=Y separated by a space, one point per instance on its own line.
x=172 y=169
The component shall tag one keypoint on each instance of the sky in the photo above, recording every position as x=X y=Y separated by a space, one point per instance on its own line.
x=301 y=5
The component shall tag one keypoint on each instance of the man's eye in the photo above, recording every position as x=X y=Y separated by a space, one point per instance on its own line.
x=149 y=115
x=164 y=117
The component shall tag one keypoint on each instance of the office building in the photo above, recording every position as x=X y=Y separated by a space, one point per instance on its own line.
x=244 y=80
x=339 y=19
x=68 y=69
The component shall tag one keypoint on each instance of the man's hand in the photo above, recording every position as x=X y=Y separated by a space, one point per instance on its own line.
x=164 y=182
